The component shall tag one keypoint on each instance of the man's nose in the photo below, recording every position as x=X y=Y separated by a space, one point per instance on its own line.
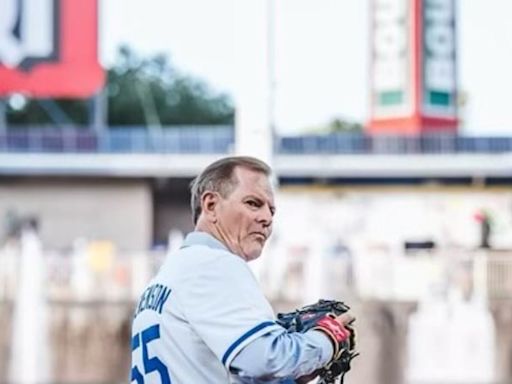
x=266 y=217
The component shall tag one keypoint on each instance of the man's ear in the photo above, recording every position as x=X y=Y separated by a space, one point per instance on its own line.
x=209 y=201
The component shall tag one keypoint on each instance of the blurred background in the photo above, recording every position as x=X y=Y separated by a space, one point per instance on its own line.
x=387 y=123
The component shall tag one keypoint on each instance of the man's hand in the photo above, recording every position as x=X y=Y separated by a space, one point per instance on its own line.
x=338 y=330
x=346 y=319
x=334 y=320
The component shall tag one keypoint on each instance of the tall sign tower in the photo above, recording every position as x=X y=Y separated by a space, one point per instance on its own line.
x=414 y=67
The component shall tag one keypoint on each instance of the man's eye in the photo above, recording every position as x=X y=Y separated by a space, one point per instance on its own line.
x=252 y=203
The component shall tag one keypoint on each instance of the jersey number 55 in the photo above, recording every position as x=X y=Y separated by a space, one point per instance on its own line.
x=153 y=364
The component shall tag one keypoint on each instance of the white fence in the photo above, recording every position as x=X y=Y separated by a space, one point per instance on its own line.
x=377 y=275
x=83 y=277
x=415 y=276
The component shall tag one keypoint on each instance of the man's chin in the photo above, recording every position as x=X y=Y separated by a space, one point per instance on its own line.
x=253 y=254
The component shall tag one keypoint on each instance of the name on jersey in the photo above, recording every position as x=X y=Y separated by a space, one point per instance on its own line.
x=153 y=298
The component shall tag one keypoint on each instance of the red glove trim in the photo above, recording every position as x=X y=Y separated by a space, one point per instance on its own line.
x=335 y=329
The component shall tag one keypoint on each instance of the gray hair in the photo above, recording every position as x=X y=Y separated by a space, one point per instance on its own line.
x=218 y=177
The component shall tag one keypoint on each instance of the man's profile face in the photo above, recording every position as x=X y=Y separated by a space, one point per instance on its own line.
x=244 y=217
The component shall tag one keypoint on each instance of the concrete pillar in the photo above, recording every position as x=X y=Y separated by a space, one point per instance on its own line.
x=502 y=313
x=382 y=341
x=6 y=309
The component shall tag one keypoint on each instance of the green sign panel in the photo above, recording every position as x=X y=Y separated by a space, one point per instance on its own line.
x=439 y=58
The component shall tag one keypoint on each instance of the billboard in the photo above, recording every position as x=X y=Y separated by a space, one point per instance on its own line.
x=391 y=58
x=49 y=48
x=413 y=74
x=439 y=58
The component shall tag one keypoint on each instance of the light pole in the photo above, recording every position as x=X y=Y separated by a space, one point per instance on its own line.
x=254 y=64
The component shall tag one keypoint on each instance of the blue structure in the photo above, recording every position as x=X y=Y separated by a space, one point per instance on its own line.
x=220 y=140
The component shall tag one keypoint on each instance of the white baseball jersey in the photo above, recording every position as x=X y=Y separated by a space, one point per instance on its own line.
x=199 y=311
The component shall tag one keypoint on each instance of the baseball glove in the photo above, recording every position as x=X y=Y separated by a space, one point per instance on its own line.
x=316 y=316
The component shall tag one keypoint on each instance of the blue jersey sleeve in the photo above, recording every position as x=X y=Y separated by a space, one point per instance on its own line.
x=279 y=355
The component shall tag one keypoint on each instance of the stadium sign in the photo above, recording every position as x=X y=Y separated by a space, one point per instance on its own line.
x=390 y=53
x=439 y=95
x=48 y=48
x=414 y=87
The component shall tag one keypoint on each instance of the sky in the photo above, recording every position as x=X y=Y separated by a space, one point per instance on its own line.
x=321 y=54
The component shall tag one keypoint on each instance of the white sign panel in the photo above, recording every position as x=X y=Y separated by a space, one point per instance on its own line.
x=27 y=31
x=391 y=58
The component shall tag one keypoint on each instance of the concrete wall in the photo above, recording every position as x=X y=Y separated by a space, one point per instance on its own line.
x=171 y=201
x=91 y=343
x=98 y=209
x=88 y=343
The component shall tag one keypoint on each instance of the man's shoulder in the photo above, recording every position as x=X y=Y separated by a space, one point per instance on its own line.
x=201 y=253
x=198 y=257
x=201 y=269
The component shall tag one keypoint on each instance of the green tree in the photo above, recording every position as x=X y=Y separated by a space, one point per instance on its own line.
x=337 y=125
x=142 y=92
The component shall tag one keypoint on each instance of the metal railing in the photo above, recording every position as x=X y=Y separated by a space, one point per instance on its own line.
x=344 y=143
x=200 y=140
x=493 y=273
x=220 y=139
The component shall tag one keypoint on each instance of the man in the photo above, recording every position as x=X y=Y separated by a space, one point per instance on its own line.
x=203 y=318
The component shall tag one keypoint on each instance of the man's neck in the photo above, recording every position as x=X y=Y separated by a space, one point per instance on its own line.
x=213 y=230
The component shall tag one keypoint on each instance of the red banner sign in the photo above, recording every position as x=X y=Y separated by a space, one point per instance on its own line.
x=49 y=48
